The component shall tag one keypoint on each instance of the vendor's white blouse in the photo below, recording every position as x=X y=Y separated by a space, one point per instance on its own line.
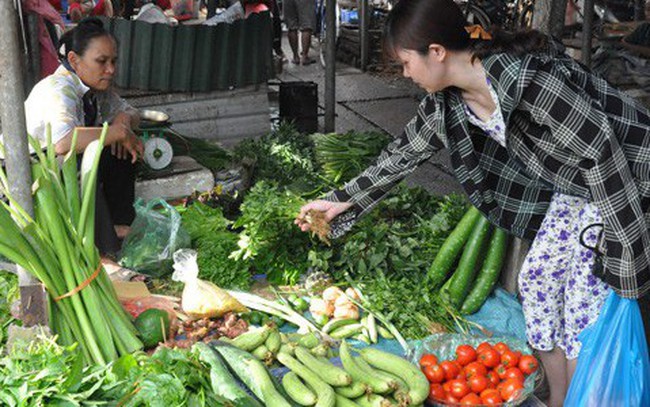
x=57 y=100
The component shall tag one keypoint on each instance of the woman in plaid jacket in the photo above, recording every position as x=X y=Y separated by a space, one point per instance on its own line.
x=543 y=148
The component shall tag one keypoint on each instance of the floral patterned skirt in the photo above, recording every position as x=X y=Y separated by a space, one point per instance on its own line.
x=560 y=295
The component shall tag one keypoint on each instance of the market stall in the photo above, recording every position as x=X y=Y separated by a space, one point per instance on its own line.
x=244 y=309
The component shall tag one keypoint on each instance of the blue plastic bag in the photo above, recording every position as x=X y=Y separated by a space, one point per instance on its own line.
x=613 y=367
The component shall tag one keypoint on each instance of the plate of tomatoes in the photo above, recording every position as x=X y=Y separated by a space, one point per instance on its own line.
x=464 y=370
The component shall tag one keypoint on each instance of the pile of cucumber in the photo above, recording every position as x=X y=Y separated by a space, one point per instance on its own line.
x=366 y=329
x=374 y=378
x=482 y=251
x=267 y=341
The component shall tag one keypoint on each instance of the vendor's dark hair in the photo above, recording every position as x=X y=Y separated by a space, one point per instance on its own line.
x=79 y=38
x=415 y=24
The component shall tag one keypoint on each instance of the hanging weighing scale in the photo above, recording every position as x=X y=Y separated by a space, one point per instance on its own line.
x=158 y=152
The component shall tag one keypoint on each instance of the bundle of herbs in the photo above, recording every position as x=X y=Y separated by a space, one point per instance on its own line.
x=214 y=242
x=57 y=246
x=343 y=156
x=269 y=237
x=285 y=157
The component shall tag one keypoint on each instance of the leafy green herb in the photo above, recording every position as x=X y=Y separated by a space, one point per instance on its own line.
x=214 y=242
x=9 y=292
x=343 y=156
x=285 y=157
x=390 y=250
x=269 y=238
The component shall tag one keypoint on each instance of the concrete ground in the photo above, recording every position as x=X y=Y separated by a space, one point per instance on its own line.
x=372 y=102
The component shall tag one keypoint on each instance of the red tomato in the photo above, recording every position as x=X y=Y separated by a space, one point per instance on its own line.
x=491 y=397
x=434 y=373
x=436 y=392
x=501 y=347
x=490 y=358
x=478 y=383
x=465 y=354
x=428 y=359
x=510 y=389
x=472 y=399
x=483 y=347
x=494 y=379
x=446 y=386
x=515 y=373
x=528 y=364
x=458 y=388
x=474 y=369
x=451 y=399
x=510 y=358
x=501 y=371
x=451 y=369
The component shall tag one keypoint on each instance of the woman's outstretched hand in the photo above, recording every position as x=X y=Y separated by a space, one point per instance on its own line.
x=329 y=209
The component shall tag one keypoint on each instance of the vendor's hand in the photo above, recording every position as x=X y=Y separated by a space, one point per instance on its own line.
x=132 y=145
x=330 y=210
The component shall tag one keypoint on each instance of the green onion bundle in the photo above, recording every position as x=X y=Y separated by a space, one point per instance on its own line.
x=343 y=156
x=57 y=246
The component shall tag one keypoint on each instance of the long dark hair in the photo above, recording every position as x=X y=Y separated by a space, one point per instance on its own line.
x=79 y=38
x=416 y=24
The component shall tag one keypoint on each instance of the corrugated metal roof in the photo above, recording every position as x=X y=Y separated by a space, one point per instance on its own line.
x=193 y=58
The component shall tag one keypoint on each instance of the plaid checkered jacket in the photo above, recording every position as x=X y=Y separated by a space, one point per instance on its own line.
x=568 y=131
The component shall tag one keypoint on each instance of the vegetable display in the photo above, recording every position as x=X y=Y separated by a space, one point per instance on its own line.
x=482 y=251
x=487 y=375
x=57 y=246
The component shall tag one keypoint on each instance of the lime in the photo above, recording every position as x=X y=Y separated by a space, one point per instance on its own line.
x=153 y=326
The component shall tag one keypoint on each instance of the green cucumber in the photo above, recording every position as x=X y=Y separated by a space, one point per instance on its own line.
x=346 y=331
x=252 y=339
x=385 y=333
x=320 y=350
x=375 y=383
x=344 y=402
x=465 y=273
x=324 y=393
x=337 y=323
x=489 y=274
x=451 y=248
x=289 y=348
x=400 y=384
x=332 y=375
x=252 y=373
x=372 y=400
x=263 y=353
x=297 y=390
x=416 y=381
x=273 y=342
x=372 y=328
x=309 y=340
x=356 y=389
x=222 y=381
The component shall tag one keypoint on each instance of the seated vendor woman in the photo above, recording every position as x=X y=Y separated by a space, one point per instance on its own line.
x=79 y=96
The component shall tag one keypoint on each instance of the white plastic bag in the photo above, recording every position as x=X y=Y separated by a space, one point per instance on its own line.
x=201 y=299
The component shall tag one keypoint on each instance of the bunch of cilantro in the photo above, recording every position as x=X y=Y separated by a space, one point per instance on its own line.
x=214 y=242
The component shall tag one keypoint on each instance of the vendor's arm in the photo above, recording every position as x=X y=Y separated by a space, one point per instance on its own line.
x=582 y=127
x=118 y=134
x=401 y=157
